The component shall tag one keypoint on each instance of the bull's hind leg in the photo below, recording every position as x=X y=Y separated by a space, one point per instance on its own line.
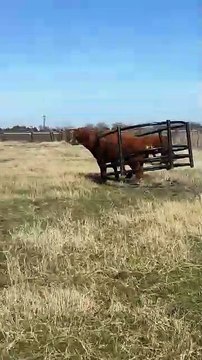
x=116 y=173
x=137 y=170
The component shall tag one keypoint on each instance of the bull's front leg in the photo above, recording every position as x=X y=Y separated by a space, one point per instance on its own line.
x=103 y=171
x=137 y=169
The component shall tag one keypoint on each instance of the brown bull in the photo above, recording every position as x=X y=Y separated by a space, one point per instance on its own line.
x=105 y=149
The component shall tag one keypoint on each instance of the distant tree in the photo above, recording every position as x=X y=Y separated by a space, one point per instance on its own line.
x=34 y=128
x=114 y=125
x=18 y=128
x=90 y=126
x=195 y=125
x=102 y=126
x=44 y=129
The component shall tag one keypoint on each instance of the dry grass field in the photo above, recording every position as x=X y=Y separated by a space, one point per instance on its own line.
x=90 y=271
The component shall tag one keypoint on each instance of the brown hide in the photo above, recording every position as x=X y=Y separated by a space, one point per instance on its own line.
x=89 y=137
x=105 y=149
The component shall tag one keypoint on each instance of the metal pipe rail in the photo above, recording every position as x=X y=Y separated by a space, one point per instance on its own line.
x=170 y=160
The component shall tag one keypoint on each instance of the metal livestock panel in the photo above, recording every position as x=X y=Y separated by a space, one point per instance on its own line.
x=168 y=161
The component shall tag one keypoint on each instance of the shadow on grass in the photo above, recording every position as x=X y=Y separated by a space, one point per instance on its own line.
x=6 y=160
x=166 y=189
x=106 y=197
x=94 y=177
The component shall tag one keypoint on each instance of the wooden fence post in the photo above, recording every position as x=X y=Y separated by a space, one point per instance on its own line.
x=51 y=135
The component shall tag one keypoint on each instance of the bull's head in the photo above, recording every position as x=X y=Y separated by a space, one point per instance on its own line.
x=85 y=136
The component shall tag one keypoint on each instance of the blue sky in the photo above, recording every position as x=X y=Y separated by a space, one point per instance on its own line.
x=81 y=61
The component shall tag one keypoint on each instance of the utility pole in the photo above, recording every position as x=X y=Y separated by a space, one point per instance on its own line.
x=44 y=121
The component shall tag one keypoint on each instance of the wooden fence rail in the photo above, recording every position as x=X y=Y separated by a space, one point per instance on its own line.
x=32 y=136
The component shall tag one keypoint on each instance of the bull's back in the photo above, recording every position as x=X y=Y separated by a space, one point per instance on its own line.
x=155 y=140
x=109 y=147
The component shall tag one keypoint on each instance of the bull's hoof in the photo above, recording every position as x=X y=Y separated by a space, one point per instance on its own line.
x=122 y=178
x=129 y=174
x=135 y=182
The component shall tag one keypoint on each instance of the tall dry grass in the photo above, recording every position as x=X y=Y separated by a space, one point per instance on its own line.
x=97 y=272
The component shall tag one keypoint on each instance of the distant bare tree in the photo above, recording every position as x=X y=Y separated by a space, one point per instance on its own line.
x=195 y=125
x=90 y=126
x=114 y=125
x=102 y=126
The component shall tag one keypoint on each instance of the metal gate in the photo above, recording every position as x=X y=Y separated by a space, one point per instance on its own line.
x=171 y=160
